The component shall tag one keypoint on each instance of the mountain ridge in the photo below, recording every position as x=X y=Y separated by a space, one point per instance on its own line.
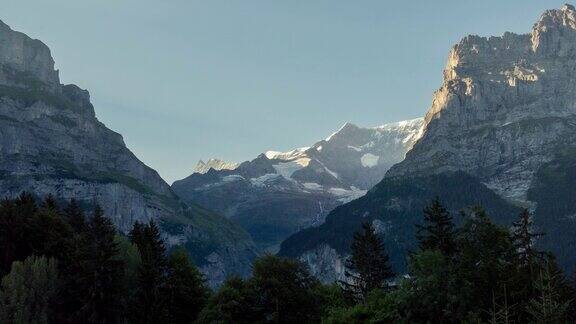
x=503 y=115
x=277 y=193
x=52 y=143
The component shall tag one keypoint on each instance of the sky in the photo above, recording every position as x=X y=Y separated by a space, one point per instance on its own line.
x=184 y=80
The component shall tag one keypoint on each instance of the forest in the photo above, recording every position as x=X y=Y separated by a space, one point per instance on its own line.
x=63 y=263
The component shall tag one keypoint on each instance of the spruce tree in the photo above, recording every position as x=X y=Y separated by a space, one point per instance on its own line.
x=149 y=305
x=438 y=230
x=49 y=234
x=549 y=304
x=15 y=230
x=75 y=216
x=50 y=203
x=185 y=288
x=523 y=237
x=367 y=267
x=101 y=272
x=283 y=288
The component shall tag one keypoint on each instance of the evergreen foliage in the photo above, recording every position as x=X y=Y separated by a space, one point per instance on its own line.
x=59 y=267
x=548 y=304
x=150 y=304
x=438 y=231
x=101 y=272
x=186 y=289
x=367 y=267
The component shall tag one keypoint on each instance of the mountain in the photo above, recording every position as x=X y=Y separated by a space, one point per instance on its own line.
x=504 y=116
x=52 y=143
x=278 y=193
x=216 y=164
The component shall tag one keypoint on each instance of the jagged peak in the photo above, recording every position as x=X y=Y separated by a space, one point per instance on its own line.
x=215 y=164
x=567 y=7
x=290 y=155
x=403 y=124
x=347 y=127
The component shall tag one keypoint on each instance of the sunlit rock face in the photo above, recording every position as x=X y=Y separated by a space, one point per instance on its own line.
x=506 y=106
x=504 y=116
x=279 y=193
x=52 y=143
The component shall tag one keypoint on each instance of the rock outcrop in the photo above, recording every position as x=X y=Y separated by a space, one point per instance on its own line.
x=279 y=193
x=52 y=143
x=506 y=106
x=505 y=117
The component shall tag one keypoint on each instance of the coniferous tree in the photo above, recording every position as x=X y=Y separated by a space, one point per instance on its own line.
x=50 y=234
x=101 y=271
x=367 y=267
x=129 y=254
x=75 y=216
x=438 y=230
x=485 y=262
x=15 y=229
x=28 y=291
x=185 y=288
x=50 y=203
x=149 y=305
x=233 y=303
x=283 y=290
x=548 y=306
x=523 y=237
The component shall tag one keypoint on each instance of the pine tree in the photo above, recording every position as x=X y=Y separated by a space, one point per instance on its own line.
x=186 y=289
x=75 y=216
x=523 y=237
x=284 y=291
x=101 y=272
x=501 y=312
x=548 y=306
x=15 y=230
x=484 y=263
x=50 y=203
x=367 y=268
x=28 y=291
x=438 y=230
x=49 y=233
x=149 y=305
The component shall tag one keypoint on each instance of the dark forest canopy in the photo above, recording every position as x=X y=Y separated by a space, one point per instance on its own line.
x=62 y=264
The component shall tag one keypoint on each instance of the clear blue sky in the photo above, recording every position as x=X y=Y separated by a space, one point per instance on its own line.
x=183 y=80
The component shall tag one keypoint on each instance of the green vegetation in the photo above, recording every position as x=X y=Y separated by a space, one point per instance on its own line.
x=58 y=266
x=398 y=202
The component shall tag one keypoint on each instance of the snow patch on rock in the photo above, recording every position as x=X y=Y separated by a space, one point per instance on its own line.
x=369 y=160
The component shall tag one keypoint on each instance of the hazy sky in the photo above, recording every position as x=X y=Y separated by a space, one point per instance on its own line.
x=185 y=80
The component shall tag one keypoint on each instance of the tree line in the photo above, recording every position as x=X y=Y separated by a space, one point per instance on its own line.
x=59 y=265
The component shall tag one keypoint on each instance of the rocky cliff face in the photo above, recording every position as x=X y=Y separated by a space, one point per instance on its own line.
x=52 y=143
x=506 y=105
x=278 y=193
x=505 y=116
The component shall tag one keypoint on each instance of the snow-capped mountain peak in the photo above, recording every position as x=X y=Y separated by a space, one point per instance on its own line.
x=288 y=191
x=290 y=155
x=216 y=164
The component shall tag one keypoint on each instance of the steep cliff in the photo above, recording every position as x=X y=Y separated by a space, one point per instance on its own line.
x=505 y=119
x=52 y=143
x=506 y=105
